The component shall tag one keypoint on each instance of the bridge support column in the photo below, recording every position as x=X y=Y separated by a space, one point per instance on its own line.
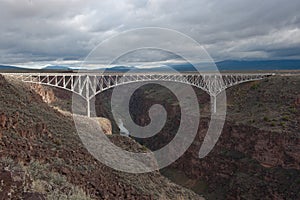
x=88 y=107
x=213 y=99
x=88 y=100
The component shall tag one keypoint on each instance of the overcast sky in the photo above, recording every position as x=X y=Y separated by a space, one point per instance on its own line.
x=61 y=32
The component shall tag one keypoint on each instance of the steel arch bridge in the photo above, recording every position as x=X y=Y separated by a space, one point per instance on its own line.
x=88 y=85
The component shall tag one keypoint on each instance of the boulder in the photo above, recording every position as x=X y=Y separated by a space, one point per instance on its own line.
x=105 y=124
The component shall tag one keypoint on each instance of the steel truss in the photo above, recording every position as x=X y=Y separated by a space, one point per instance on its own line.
x=89 y=85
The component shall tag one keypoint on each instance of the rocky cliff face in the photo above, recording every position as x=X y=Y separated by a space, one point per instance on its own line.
x=248 y=162
x=46 y=93
x=43 y=143
x=257 y=155
x=105 y=125
x=57 y=97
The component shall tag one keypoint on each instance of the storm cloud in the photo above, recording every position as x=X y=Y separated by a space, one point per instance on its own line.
x=36 y=31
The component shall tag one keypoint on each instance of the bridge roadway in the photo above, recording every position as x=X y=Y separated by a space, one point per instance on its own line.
x=89 y=84
x=136 y=73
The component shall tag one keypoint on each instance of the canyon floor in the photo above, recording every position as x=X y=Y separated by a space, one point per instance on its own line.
x=256 y=157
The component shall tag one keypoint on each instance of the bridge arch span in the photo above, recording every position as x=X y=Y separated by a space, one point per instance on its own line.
x=150 y=81
x=60 y=87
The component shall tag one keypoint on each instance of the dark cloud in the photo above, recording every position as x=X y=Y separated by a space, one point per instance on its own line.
x=146 y=55
x=285 y=52
x=235 y=29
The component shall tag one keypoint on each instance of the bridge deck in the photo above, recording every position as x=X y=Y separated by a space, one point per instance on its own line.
x=135 y=73
x=89 y=84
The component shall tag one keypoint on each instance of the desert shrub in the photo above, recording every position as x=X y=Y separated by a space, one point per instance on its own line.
x=74 y=194
x=57 y=141
x=37 y=170
x=11 y=165
x=7 y=162
x=52 y=184
x=266 y=119
x=40 y=186
x=282 y=124
x=285 y=118
x=293 y=110
x=254 y=86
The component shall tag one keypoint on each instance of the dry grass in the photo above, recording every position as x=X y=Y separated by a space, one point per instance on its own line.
x=43 y=181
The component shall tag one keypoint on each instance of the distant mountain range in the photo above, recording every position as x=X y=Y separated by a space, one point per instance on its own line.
x=227 y=65
x=121 y=68
x=8 y=67
x=259 y=65
x=57 y=67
